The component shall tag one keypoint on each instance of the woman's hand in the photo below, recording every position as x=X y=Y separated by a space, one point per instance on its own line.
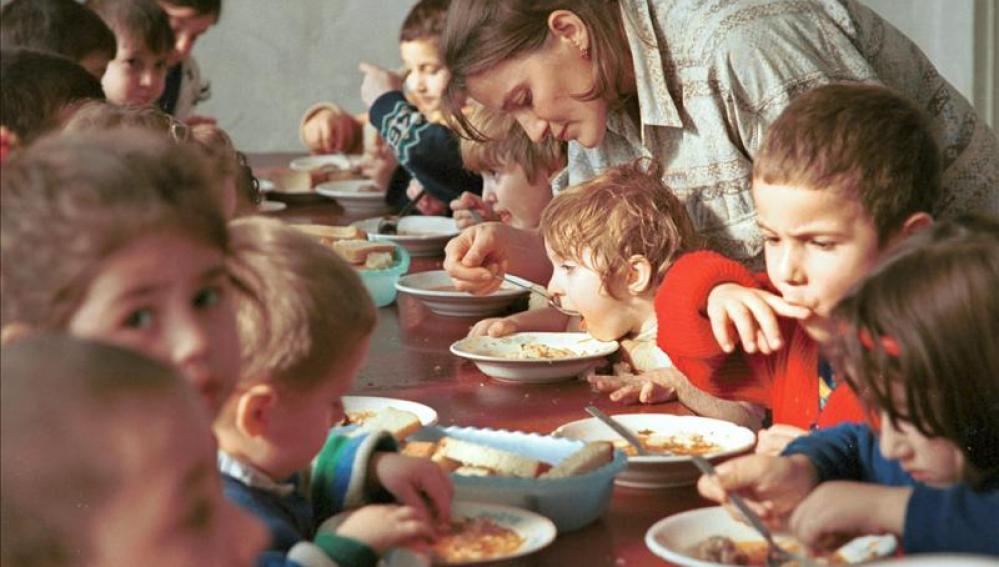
x=377 y=81
x=476 y=259
x=837 y=511
x=749 y=315
x=329 y=131
x=771 y=486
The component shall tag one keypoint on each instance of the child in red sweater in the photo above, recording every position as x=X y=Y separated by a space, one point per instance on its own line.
x=844 y=173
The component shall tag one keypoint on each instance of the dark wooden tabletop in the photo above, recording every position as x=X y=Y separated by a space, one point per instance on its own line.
x=409 y=359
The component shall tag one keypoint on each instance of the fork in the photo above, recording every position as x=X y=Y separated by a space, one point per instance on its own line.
x=776 y=555
x=553 y=301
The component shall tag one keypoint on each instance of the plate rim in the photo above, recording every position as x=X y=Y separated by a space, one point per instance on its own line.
x=550 y=532
x=431 y=411
x=294 y=164
x=454 y=348
x=407 y=238
x=507 y=292
x=349 y=195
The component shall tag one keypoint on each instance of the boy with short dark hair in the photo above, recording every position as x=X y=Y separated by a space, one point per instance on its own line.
x=63 y=27
x=185 y=88
x=844 y=173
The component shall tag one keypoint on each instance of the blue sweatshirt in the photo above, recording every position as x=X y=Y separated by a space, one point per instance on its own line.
x=952 y=519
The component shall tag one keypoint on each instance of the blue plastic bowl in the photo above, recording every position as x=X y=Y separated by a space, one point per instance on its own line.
x=571 y=502
x=381 y=283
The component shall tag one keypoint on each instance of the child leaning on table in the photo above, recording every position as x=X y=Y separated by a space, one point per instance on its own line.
x=145 y=41
x=845 y=173
x=610 y=239
x=514 y=170
x=918 y=338
x=108 y=460
x=115 y=236
x=305 y=320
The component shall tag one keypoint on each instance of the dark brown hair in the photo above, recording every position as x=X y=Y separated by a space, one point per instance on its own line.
x=925 y=322
x=624 y=211
x=141 y=20
x=865 y=140
x=480 y=34
x=63 y=27
x=37 y=87
x=425 y=21
x=70 y=201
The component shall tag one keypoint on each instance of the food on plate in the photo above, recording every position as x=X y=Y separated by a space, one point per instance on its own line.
x=330 y=234
x=721 y=549
x=399 y=423
x=475 y=539
x=682 y=444
x=356 y=251
x=591 y=457
x=473 y=459
x=538 y=350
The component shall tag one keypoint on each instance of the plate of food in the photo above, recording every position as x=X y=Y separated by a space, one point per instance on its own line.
x=671 y=439
x=482 y=532
x=711 y=537
x=271 y=206
x=436 y=290
x=327 y=163
x=534 y=357
x=358 y=197
x=401 y=418
x=421 y=235
x=294 y=187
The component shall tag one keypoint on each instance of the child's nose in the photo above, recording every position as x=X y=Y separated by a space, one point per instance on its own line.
x=789 y=268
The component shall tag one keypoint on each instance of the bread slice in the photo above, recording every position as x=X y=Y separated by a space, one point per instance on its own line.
x=502 y=462
x=466 y=470
x=330 y=234
x=379 y=261
x=591 y=457
x=420 y=449
x=356 y=251
x=399 y=423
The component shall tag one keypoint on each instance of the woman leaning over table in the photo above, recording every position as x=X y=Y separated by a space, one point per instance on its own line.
x=692 y=83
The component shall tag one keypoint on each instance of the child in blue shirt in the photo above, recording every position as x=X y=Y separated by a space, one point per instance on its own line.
x=917 y=340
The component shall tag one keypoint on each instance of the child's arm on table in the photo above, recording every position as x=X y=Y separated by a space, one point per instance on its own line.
x=547 y=319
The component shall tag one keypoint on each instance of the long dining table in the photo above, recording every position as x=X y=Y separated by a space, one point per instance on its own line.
x=409 y=359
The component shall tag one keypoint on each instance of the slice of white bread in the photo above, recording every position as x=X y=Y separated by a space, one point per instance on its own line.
x=356 y=251
x=379 y=261
x=591 y=457
x=330 y=234
x=399 y=423
x=481 y=456
x=420 y=449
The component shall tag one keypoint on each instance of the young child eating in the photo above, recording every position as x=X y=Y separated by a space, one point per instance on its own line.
x=918 y=338
x=305 y=322
x=144 y=43
x=108 y=460
x=116 y=236
x=829 y=202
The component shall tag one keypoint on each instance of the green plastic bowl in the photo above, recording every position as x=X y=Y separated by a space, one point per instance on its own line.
x=381 y=283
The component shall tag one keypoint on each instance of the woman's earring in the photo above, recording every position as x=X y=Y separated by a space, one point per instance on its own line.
x=585 y=52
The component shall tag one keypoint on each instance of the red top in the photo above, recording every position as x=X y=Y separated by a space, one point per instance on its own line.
x=787 y=381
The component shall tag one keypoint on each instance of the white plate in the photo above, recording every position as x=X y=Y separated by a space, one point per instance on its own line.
x=422 y=236
x=673 y=537
x=427 y=414
x=938 y=560
x=332 y=162
x=660 y=471
x=493 y=356
x=436 y=290
x=536 y=530
x=271 y=206
x=266 y=185
x=355 y=201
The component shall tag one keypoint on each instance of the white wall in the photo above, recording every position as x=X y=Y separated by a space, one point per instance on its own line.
x=268 y=60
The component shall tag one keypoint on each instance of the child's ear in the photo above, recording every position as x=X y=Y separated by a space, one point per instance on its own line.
x=640 y=274
x=253 y=411
x=15 y=331
x=914 y=224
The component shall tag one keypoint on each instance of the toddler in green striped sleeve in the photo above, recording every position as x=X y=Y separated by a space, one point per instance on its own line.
x=305 y=320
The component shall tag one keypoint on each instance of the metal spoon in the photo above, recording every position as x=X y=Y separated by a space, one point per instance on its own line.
x=390 y=225
x=553 y=301
x=618 y=428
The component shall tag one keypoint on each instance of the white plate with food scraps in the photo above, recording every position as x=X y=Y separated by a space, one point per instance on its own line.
x=534 y=357
x=359 y=407
x=673 y=437
x=271 y=206
x=421 y=235
x=681 y=539
x=492 y=533
x=436 y=290
x=358 y=197
x=324 y=162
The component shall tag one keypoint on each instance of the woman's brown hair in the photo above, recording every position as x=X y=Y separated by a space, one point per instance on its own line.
x=924 y=323
x=480 y=34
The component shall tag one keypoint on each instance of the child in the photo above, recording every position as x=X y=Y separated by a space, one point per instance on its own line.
x=40 y=91
x=514 y=171
x=107 y=460
x=115 y=236
x=305 y=320
x=829 y=202
x=918 y=337
x=610 y=240
x=184 y=87
x=144 y=42
x=62 y=27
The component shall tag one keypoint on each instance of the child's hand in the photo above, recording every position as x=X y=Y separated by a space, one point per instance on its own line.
x=493 y=327
x=469 y=206
x=378 y=164
x=838 y=510
x=329 y=131
x=416 y=483
x=648 y=388
x=753 y=315
x=771 y=441
x=385 y=526
x=771 y=486
x=428 y=205
x=195 y=119
x=377 y=81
